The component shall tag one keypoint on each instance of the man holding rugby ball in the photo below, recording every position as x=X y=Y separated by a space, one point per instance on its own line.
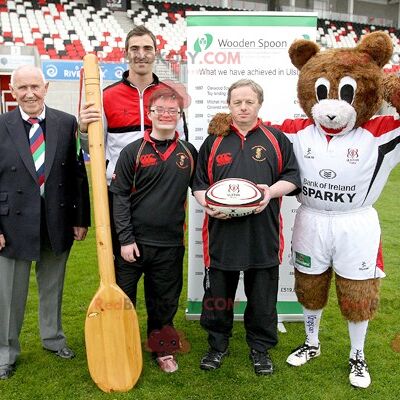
x=251 y=243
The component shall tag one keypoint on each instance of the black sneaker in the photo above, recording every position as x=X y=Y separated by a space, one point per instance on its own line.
x=212 y=359
x=262 y=362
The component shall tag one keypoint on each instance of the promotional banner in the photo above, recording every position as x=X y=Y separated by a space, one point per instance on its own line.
x=54 y=70
x=223 y=48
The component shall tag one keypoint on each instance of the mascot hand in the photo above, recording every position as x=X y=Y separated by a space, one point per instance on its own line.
x=391 y=85
x=220 y=124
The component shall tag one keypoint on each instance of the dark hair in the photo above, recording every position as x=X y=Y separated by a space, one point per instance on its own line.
x=140 y=30
x=166 y=93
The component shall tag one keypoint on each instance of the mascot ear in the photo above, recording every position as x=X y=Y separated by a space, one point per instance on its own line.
x=378 y=46
x=301 y=51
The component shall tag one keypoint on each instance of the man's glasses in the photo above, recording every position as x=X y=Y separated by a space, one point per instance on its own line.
x=162 y=110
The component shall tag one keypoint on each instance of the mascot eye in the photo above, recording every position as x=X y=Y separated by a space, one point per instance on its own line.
x=322 y=87
x=347 y=89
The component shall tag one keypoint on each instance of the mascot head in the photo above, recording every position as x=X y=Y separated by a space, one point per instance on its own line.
x=340 y=89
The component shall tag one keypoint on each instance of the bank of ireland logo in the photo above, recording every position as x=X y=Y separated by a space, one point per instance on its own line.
x=203 y=42
x=51 y=71
x=327 y=174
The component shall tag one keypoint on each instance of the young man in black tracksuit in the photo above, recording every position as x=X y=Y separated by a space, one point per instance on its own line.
x=252 y=243
x=149 y=189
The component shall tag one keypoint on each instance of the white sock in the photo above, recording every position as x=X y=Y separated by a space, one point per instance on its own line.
x=357 y=333
x=312 y=319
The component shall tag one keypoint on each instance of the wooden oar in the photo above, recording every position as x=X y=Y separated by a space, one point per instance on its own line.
x=112 y=334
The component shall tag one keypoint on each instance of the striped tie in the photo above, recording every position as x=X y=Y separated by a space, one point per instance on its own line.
x=37 y=144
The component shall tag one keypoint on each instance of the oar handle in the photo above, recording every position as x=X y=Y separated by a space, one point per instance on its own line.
x=98 y=173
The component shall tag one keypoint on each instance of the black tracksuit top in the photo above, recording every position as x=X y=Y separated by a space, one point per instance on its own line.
x=256 y=240
x=150 y=186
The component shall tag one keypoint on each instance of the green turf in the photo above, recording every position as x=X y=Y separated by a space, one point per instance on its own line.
x=40 y=375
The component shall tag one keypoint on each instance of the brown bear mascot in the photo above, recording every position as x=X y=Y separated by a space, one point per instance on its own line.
x=345 y=157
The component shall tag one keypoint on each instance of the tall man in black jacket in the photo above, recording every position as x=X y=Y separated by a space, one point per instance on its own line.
x=44 y=207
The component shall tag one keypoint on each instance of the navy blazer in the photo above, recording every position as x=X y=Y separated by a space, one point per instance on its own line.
x=66 y=186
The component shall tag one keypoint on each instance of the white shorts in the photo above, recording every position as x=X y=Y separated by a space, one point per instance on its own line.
x=349 y=242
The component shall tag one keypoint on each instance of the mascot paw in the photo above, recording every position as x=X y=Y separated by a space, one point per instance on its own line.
x=220 y=124
x=391 y=84
x=167 y=341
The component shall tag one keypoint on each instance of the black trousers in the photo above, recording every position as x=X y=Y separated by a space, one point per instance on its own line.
x=162 y=268
x=260 y=316
x=114 y=236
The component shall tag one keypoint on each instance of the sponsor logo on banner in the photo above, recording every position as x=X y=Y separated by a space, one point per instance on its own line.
x=203 y=43
x=51 y=70
x=70 y=70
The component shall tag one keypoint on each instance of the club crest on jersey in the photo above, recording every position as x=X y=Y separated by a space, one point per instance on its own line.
x=148 y=160
x=182 y=160
x=352 y=156
x=223 y=159
x=259 y=153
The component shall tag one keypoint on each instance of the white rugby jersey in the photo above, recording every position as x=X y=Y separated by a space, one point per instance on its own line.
x=348 y=171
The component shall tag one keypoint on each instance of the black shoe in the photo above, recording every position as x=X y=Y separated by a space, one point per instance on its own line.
x=6 y=372
x=262 y=362
x=65 y=353
x=212 y=359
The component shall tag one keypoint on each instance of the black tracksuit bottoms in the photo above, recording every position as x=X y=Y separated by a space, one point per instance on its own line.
x=260 y=316
x=162 y=268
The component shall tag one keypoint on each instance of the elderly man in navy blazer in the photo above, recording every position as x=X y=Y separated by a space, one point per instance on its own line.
x=44 y=207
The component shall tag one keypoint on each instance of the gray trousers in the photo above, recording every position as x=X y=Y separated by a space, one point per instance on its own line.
x=14 y=285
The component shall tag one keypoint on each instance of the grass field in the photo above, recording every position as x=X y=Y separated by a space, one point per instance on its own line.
x=40 y=375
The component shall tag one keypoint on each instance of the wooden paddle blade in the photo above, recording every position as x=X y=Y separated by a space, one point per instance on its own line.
x=113 y=346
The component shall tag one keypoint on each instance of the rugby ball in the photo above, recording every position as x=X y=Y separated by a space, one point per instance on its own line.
x=234 y=197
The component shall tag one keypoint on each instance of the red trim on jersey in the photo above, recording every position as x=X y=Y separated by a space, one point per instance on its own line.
x=292 y=126
x=379 y=257
x=184 y=223
x=281 y=236
x=205 y=237
x=274 y=143
x=170 y=149
x=211 y=157
x=243 y=137
x=381 y=125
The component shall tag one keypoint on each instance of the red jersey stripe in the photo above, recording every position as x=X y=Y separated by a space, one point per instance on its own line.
x=206 y=248
x=381 y=125
x=292 y=126
x=379 y=257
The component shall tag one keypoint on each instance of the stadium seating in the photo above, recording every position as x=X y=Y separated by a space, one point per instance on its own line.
x=337 y=34
x=61 y=29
